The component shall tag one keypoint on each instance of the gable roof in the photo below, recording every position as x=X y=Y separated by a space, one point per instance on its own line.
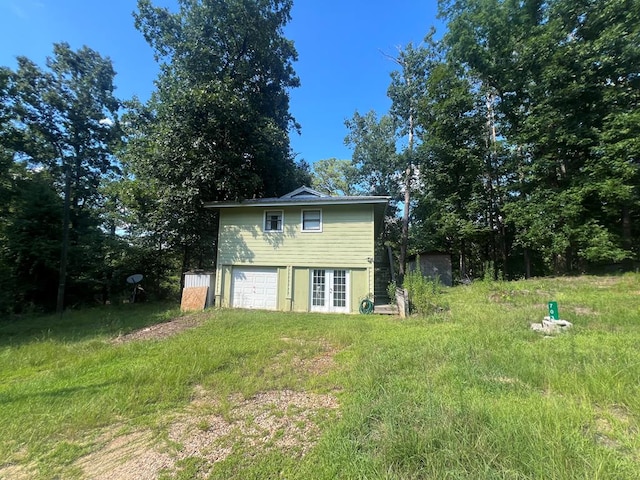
x=302 y=196
x=306 y=192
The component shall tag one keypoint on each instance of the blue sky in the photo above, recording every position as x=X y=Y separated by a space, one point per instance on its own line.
x=340 y=45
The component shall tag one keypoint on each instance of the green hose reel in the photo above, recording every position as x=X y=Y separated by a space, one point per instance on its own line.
x=366 y=306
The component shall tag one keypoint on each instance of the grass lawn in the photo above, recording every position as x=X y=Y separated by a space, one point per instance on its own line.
x=469 y=393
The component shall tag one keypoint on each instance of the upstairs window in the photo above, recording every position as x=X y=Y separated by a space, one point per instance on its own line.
x=273 y=221
x=311 y=220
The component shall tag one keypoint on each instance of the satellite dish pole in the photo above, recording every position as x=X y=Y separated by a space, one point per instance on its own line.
x=134 y=280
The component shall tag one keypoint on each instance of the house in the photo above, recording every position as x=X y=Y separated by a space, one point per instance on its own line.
x=304 y=251
x=433 y=265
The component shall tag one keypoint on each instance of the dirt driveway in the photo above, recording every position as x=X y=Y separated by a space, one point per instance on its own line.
x=204 y=433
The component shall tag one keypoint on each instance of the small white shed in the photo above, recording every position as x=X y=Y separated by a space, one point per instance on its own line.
x=201 y=278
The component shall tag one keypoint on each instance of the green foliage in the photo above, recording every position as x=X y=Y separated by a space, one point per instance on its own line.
x=450 y=214
x=65 y=121
x=425 y=294
x=67 y=115
x=374 y=153
x=335 y=177
x=216 y=128
x=563 y=94
x=31 y=233
x=385 y=150
x=490 y=273
x=392 y=287
x=61 y=193
x=602 y=245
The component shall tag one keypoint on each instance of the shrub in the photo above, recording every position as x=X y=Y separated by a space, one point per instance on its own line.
x=391 y=292
x=424 y=293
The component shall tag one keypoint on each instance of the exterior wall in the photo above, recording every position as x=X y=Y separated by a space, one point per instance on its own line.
x=345 y=242
x=346 y=239
x=224 y=274
x=360 y=289
x=301 y=289
x=283 y=302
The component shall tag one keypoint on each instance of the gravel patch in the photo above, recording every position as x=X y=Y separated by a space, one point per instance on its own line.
x=163 y=330
x=284 y=420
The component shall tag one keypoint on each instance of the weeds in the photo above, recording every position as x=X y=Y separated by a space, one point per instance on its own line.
x=479 y=396
x=425 y=294
x=392 y=288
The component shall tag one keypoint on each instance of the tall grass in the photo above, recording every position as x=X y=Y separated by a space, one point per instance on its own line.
x=471 y=392
x=479 y=395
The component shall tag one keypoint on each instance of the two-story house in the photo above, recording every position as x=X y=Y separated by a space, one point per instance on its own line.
x=304 y=251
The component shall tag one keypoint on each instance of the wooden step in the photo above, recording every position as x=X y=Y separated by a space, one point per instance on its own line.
x=386 y=309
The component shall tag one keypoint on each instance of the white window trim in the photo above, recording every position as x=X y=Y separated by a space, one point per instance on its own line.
x=264 y=221
x=302 y=229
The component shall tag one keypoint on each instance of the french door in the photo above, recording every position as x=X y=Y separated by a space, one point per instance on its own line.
x=330 y=291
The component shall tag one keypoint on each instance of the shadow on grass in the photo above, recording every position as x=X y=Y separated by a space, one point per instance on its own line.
x=78 y=325
x=58 y=393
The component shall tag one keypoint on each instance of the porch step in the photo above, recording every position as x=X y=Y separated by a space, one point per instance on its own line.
x=386 y=309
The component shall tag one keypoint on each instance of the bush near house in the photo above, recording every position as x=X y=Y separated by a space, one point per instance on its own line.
x=425 y=293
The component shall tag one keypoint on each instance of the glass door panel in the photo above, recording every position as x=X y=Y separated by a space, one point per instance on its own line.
x=329 y=290
x=339 y=297
x=318 y=290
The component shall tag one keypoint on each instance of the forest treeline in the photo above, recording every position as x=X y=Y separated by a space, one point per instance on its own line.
x=512 y=142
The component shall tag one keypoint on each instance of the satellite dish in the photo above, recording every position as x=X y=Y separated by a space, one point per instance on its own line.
x=133 y=279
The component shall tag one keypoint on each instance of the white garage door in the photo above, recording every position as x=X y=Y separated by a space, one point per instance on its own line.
x=255 y=288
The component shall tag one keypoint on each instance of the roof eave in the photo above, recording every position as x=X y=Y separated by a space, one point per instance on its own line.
x=302 y=202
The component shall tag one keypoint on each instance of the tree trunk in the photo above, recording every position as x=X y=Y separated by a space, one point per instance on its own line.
x=527 y=263
x=391 y=265
x=505 y=251
x=64 y=251
x=108 y=275
x=463 y=262
x=569 y=260
x=627 y=239
x=404 y=240
x=185 y=265
x=491 y=144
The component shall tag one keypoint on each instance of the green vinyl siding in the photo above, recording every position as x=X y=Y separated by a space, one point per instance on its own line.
x=359 y=287
x=346 y=239
x=283 y=302
x=223 y=285
x=301 y=289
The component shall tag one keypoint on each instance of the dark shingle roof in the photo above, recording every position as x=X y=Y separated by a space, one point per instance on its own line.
x=301 y=196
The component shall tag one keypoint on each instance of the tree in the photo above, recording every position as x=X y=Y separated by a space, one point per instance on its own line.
x=379 y=152
x=451 y=206
x=374 y=153
x=6 y=191
x=67 y=118
x=217 y=126
x=6 y=155
x=335 y=177
x=405 y=91
x=378 y=165
x=30 y=236
x=562 y=74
